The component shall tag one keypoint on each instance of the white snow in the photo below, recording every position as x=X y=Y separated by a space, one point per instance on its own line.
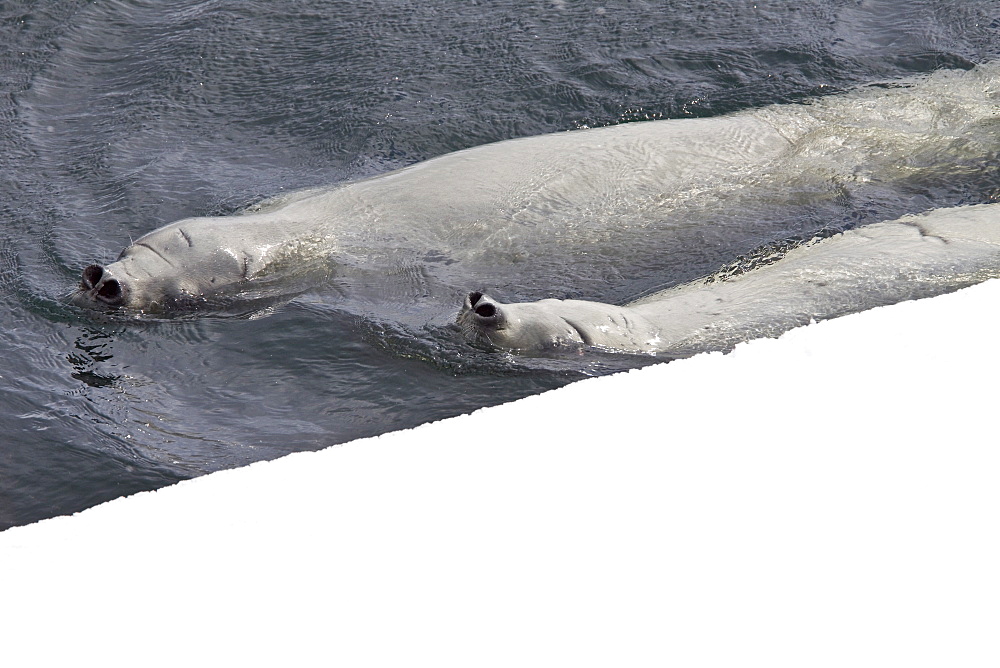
x=830 y=498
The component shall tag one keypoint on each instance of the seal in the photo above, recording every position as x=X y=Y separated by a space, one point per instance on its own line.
x=570 y=212
x=183 y=265
x=884 y=263
x=549 y=324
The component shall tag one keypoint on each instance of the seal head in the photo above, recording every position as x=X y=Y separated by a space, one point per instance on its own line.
x=179 y=265
x=524 y=327
x=550 y=324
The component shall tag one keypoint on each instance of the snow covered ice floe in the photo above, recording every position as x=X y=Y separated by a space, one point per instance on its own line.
x=826 y=498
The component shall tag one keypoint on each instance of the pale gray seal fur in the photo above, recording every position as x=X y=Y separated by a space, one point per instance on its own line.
x=568 y=211
x=884 y=263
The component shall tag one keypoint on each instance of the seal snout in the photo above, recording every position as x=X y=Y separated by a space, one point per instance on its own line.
x=485 y=310
x=101 y=286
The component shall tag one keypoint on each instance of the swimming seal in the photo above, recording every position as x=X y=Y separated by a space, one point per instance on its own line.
x=570 y=212
x=912 y=257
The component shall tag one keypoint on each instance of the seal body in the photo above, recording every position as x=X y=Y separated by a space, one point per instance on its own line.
x=884 y=263
x=632 y=206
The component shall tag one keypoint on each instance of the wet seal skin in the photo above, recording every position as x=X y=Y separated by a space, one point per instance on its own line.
x=518 y=212
x=884 y=263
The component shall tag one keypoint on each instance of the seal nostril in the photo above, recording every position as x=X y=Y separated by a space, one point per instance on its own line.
x=474 y=298
x=92 y=276
x=111 y=291
x=485 y=310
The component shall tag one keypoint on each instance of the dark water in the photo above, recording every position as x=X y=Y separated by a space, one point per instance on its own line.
x=118 y=117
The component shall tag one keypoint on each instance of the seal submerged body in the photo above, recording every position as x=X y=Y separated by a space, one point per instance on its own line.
x=879 y=264
x=571 y=212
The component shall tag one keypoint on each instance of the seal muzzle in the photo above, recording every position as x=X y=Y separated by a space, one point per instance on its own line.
x=484 y=310
x=101 y=286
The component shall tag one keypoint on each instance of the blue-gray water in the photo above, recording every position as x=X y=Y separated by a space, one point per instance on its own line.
x=119 y=117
